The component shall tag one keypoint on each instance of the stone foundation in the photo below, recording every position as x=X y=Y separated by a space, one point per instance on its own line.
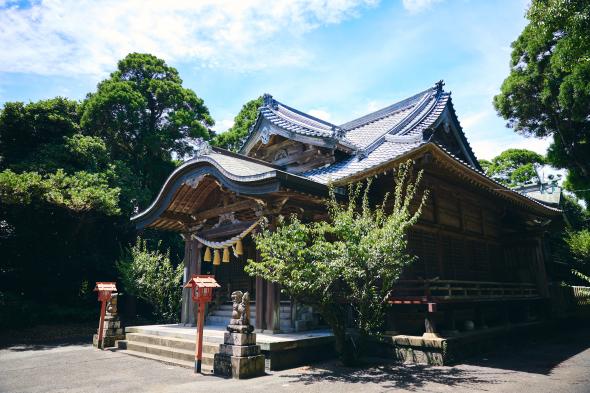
x=449 y=350
x=239 y=357
x=112 y=330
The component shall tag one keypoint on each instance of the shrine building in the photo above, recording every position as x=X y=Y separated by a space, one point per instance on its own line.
x=481 y=250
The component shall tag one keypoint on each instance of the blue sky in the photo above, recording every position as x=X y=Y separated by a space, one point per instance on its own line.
x=335 y=59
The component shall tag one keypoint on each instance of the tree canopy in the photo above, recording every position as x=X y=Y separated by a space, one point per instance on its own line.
x=547 y=92
x=72 y=173
x=146 y=118
x=27 y=130
x=514 y=167
x=232 y=138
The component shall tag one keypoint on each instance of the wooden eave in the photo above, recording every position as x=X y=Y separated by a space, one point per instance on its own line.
x=461 y=169
x=181 y=204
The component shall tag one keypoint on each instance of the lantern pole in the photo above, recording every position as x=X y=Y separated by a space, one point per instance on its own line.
x=199 y=347
x=103 y=304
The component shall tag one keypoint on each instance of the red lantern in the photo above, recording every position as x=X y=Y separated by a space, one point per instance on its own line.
x=202 y=293
x=105 y=292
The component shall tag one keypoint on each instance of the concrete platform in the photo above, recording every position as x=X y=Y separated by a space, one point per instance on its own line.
x=175 y=344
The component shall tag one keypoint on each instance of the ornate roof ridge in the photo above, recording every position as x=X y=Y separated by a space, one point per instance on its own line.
x=387 y=111
x=422 y=110
x=274 y=104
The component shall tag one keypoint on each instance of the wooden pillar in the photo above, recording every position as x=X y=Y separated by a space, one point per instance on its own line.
x=272 y=301
x=260 y=304
x=430 y=330
x=430 y=326
x=541 y=272
x=192 y=265
x=273 y=304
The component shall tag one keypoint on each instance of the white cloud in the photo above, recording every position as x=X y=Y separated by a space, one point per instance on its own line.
x=489 y=148
x=88 y=37
x=320 y=114
x=224 y=124
x=473 y=119
x=415 y=6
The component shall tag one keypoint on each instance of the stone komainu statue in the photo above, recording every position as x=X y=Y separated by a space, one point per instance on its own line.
x=240 y=316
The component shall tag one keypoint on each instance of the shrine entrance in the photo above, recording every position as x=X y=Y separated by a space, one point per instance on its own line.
x=217 y=201
x=231 y=276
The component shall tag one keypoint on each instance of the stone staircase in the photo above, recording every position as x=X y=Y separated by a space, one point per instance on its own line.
x=178 y=347
x=171 y=350
x=221 y=315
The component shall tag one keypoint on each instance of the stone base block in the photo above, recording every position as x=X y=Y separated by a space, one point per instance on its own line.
x=112 y=332
x=239 y=367
x=239 y=350
x=112 y=324
x=239 y=338
x=107 y=341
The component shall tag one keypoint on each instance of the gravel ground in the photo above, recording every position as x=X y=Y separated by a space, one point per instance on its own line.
x=558 y=364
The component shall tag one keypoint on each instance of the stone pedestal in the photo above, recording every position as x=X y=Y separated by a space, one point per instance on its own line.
x=112 y=330
x=239 y=357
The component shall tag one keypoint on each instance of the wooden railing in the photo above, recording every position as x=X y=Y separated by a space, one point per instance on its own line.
x=582 y=295
x=425 y=291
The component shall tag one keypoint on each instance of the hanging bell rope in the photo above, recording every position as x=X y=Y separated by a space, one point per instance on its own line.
x=230 y=242
x=239 y=248
x=207 y=256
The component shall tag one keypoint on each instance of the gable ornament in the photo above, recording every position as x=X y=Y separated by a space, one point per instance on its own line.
x=202 y=147
x=265 y=135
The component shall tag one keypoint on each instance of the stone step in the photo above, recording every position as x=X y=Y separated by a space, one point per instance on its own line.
x=227 y=313
x=209 y=337
x=171 y=342
x=205 y=368
x=285 y=307
x=165 y=352
x=222 y=320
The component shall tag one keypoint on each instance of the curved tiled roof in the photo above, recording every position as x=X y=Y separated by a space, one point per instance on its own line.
x=385 y=112
x=236 y=172
x=385 y=152
x=292 y=120
x=387 y=134
x=375 y=140
x=298 y=123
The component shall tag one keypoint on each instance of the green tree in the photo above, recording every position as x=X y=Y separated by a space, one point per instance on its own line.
x=547 y=92
x=232 y=138
x=25 y=129
x=67 y=191
x=149 y=275
x=579 y=243
x=514 y=166
x=352 y=260
x=485 y=164
x=60 y=212
x=146 y=117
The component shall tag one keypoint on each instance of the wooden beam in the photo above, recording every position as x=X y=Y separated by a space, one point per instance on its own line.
x=186 y=218
x=190 y=219
x=217 y=211
x=225 y=230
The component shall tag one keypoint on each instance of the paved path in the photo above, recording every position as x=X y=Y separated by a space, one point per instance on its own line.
x=561 y=364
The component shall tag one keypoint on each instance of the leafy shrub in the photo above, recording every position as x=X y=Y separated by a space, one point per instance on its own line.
x=149 y=275
x=351 y=261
